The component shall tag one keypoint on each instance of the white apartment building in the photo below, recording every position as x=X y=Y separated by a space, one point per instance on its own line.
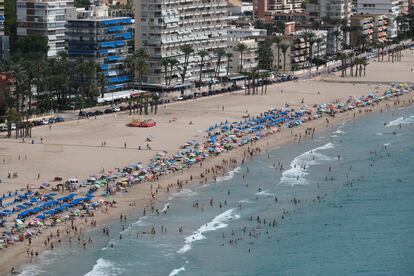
x=250 y=56
x=391 y=8
x=46 y=18
x=332 y=9
x=238 y=32
x=163 y=26
x=318 y=51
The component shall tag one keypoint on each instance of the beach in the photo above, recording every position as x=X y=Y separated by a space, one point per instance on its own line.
x=76 y=146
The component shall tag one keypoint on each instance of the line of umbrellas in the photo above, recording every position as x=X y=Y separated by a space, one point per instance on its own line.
x=63 y=202
x=228 y=135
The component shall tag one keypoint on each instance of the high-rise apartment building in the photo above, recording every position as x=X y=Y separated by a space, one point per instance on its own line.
x=333 y=10
x=4 y=39
x=46 y=18
x=2 y=17
x=330 y=9
x=163 y=26
x=105 y=41
x=267 y=9
x=390 y=8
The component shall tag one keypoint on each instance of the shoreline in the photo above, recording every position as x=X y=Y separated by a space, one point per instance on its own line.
x=142 y=196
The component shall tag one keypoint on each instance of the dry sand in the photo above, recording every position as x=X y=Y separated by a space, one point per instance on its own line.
x=83 y=154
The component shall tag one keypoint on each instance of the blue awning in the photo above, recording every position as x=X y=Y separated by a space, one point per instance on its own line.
x=120 y=43
x=114 y=58
x=116 y=21
x=114 y=29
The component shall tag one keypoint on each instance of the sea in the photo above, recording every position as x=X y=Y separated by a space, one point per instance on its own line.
x=343 y=204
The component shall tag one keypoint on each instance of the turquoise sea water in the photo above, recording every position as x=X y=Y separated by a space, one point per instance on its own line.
x=354 y=214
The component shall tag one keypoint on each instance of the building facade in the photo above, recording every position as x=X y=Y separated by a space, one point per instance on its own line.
x=330 y=9
x=2 y=18
x=106 y=42
x=295 y=56
x=267 y=9
x=46 y=18
x=4 y=40
x=372 y=27
x=250 y=56
x=390 y=8
x=162 y=27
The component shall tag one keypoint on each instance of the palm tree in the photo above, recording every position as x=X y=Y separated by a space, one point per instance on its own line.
x=85 y=72
x=264 y=76
x=309 y=38
x=12 y=116
x=229 y=57
x=165 y=62
x=137 y=64
x=141 y=64
x=102 y=82
x=342 y=56
x=365 y=64
x=187 y=51
x=318 y=42
x=173 y=62
x=336 y=34
x=277 y=40
x=241 y=48
x=284 y=47
x=202 y=54
x=220 y=53
x=280 y=27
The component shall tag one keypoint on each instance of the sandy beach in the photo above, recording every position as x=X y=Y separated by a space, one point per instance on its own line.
x=78 y=150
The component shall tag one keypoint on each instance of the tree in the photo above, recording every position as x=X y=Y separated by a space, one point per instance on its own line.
x=202 y=54
x=32 y=45
x=141 y=57
x=137 y=65
x=220 y=53
x=229 y=57
x=173 y=62
x=277 y=40
x=284 y=47
x=241 y=48
x=318 y=42
x=82 y=3
x=13 y=117
x=265 y=55
x=85 y=73
x=336 y=34
x=309 y=38
x=102 y=83
x=165 y=62
x=187 y=51
x=280 y=27
x=342 y=57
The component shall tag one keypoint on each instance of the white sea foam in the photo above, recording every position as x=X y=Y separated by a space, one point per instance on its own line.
x=299 y=166
x=176 y=271
x=104 y=267
x=31 y=271
x=387 y=144
x=338 y=131
x=245 y=201
x=265 y=193
x=379 y=133
x=401 y=121
x=184 y=193
x=166 y=206
x=229 y=175
x=219 y=222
